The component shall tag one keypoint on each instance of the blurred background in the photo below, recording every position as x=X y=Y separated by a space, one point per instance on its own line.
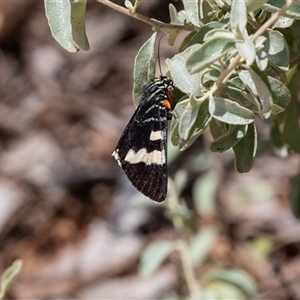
x=68 y=211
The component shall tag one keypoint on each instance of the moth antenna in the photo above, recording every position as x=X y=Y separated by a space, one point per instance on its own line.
x=158 y=53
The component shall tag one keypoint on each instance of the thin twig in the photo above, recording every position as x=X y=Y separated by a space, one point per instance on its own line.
x=157 y=25
x=238 y=59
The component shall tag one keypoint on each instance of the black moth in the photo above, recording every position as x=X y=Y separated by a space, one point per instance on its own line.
x=142 y=149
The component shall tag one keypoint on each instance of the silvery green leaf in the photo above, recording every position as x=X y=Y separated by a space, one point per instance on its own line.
x=236 y=90
x=246 y=50
x=215 y=34
x=187 y=120
x=253 y=5
x=198 y=38
x=217 y=128
x=245 y=150
x=234 y=134
x=283 y=22
x=292 y=12
x=277 y=49
x=191 y=123
x=259 y=90
x=174 y=17
x=144 y=68
x=187 y=83
x=128 y=5
x=238 y=18
x=192 y=10
x=66 y=20
x=281 y=95
x=261 y=59
x=206 y=54
x=229 y=111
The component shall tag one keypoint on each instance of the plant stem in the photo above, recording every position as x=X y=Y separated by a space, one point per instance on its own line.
x=182 y=245
x=238 y=59
x=157 y=25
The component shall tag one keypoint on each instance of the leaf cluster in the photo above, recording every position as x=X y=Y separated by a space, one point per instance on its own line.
x=232 y=69
x=233 y=66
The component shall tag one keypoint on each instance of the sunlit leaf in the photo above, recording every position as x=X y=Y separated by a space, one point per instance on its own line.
x=206 y=54
x=253 y=5
x=229 y=111
x=293 y=11
x=66 y=20
x=238 y=18
x=259 y=90
x=192 y=122
x=277 y=49
x=187 y=83
x=234 y=134
x=192 y=10
x=144 y=68
x=198 y=38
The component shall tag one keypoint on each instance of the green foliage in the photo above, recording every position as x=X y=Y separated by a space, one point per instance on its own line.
x=232 y=67
x=9 y=276
x=235 y=65
x=66 y=19
x=144 y=68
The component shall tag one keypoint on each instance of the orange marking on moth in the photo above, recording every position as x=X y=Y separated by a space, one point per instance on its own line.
x=167 y=102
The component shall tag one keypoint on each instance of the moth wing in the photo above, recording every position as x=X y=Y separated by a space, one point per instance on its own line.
x=142 y=151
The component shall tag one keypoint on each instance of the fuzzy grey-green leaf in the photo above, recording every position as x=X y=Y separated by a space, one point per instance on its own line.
x=245 y=150
x=192 y=122
x=192 y=10
x=281 y=95
x=187 y=83
x=59 y=19
x=259 y=90
x=277 y=49
x=246 y=50
x=238 y=18
x=234 y=134
x=144 y=68
x=206 y=54
x=253 y=5
x=229 y=111
x=66 y=20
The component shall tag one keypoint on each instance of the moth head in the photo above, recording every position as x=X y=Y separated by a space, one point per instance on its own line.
x=167 y=83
